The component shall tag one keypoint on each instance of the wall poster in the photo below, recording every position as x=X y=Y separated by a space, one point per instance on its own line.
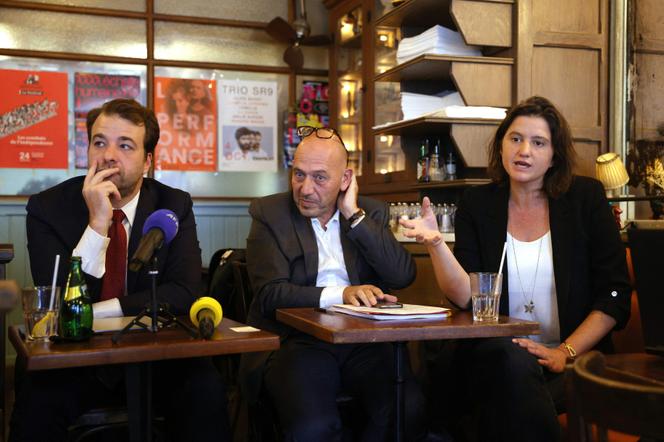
x=187 y=113
x=91 y=91
x=33 y=119
x=312 y=110
x=248 y=120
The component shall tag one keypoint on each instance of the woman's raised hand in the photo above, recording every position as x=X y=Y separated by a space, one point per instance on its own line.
x=425 y=228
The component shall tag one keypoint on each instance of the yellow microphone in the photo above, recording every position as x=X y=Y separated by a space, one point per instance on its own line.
x=206 y=314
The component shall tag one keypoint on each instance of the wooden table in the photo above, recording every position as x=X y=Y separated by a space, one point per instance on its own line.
x=339 y=328
x=644 y=365
x=136 y=351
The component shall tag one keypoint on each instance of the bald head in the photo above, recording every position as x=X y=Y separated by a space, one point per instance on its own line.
x=330 y=148
x=319 y=174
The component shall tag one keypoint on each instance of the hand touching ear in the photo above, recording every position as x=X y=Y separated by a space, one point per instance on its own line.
x=347 y=201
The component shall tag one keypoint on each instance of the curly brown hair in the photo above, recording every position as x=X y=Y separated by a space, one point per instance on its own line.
x=559 y=176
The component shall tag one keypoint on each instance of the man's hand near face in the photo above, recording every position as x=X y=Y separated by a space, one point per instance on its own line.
x=347 y=201
x=98 y=192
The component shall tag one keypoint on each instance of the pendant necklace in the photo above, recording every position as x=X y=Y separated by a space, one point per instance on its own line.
x=529 y=305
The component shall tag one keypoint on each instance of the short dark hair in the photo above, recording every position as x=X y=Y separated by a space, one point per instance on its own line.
x=130 y=110
x=559 y=176
x=242 y=131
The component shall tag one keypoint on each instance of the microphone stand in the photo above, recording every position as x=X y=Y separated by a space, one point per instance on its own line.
x=159 y=314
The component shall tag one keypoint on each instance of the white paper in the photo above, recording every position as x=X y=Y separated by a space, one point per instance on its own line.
x=100 y=325
x=406 y=312
x=436 y=40
x=245 y=329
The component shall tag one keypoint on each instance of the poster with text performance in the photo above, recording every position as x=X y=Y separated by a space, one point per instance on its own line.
x=91 y=91
x=187 y=113
x=33 y=119
x=248 y=120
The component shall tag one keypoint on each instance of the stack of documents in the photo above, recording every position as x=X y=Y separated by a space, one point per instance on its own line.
x=437 y=40
x=495 y=113
x=415 y=105
x=407 y=311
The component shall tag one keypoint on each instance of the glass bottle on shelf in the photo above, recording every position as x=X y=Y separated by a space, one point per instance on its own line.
x=435 y=171
x=450 y=167
x=423 y=163
x=446 y=224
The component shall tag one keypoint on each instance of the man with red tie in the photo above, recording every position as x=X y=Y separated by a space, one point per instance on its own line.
x=100 y=217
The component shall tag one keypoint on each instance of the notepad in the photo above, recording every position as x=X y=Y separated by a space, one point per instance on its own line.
x=407 y=312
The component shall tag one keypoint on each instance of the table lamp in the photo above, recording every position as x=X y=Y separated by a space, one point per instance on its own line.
x=611 y=171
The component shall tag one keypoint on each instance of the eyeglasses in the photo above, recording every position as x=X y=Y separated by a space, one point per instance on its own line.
x=324 y=133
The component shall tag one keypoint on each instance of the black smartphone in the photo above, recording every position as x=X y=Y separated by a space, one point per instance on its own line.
x=389 y=305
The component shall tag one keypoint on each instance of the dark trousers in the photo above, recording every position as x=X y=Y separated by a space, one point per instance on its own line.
x=189 y=393
x=304 y=377
x=504 y=392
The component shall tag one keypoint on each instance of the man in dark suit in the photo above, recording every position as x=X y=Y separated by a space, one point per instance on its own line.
x=317 y=246
x=76 y=218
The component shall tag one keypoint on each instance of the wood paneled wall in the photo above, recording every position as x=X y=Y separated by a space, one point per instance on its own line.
x=563 y=54
x=647 y=58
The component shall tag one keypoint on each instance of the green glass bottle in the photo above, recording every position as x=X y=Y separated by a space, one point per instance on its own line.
x=76 y=307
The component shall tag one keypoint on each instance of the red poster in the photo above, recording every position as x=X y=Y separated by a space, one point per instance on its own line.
x=33 y=119
x=91 y=91
x=187 y=114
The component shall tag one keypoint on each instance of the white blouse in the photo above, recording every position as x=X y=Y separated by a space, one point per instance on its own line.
x=531 y=278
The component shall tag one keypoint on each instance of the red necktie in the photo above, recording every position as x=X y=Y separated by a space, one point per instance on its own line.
x=113 y=284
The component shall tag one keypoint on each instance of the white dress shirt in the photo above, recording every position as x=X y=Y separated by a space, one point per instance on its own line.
x=332 y=273
x=92 y=250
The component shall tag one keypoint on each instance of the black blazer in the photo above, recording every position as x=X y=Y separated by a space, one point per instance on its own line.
x=588 y=255
x=57 y=218
x=282 y=256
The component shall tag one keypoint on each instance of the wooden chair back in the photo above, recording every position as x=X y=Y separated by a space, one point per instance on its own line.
x=611 y=398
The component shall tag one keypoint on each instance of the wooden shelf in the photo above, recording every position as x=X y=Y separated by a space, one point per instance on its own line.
x=420 y=13
x=449 y=184
x=489 y=29
x=428 y=125
x=481 y=81
x=435 y=67
x=423 y=13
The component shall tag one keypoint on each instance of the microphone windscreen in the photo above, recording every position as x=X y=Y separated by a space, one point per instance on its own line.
x=202 y=303
x=165 y=220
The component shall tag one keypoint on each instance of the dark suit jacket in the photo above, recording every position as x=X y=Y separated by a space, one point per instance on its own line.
x=282 y=257
x=588 y=256
x=57 y=218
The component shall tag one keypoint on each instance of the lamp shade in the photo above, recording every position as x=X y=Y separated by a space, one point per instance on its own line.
x=611 y=171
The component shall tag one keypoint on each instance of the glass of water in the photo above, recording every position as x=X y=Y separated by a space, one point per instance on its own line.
x=485 y=289
x=41 y=321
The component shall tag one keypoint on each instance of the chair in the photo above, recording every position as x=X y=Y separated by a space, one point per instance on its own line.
x=8 y=297
x=645 y=246
x=611 y=398
x=264 y=424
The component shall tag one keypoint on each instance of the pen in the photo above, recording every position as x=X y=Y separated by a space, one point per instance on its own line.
x=320 y=310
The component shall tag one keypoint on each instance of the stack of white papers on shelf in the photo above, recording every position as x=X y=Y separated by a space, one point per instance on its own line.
x=444 y=105
x=482 y=112
x=407 y=311
x=437 y=40
x=415 y=105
